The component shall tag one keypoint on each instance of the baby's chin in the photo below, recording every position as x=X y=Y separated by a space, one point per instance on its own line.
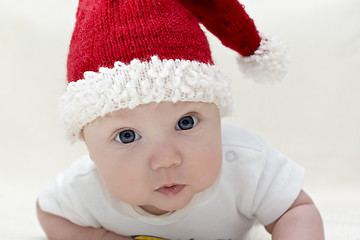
x=165 y=208
x=154 y=210
x=158 y=212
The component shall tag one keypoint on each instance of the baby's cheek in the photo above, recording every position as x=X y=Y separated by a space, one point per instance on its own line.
x=208 y=166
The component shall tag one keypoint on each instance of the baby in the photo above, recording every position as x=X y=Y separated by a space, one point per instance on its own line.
x=146 y=98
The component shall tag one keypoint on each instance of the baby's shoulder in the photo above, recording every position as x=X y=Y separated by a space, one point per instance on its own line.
x=80 y=169
x=234 y=136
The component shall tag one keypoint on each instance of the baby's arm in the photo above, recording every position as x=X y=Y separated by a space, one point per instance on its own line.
x=60 y=228
x=301 y=221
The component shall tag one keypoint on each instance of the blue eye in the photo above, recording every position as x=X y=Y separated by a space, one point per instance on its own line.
x=127 y=136
x=186 y=123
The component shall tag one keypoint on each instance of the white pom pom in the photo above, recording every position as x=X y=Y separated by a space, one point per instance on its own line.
x=268 y=63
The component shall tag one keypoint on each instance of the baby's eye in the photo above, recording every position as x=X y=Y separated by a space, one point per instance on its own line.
x=127 y=136
x=186 y=123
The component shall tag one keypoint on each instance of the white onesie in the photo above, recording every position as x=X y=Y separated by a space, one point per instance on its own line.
x=256 y=182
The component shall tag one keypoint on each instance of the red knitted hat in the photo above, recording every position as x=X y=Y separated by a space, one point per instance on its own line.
x=129 y=52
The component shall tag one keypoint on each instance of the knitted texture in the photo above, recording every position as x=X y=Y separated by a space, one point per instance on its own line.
x=227 y=20
x=107 y=31
x=129 y=85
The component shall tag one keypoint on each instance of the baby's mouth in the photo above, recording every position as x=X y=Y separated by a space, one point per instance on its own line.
x=171 y=189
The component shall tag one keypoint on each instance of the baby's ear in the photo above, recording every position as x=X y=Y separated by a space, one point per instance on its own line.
x=82 y=135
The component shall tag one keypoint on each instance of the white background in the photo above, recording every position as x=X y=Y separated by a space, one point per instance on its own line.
x=313 y=115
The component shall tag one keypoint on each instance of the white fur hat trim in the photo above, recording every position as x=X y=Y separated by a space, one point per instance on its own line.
x=129 y=85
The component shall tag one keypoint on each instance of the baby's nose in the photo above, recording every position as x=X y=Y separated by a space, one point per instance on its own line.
x=165 y=156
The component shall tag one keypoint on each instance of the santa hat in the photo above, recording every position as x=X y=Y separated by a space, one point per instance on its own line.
x=126 y=53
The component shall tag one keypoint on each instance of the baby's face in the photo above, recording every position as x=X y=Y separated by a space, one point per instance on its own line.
x=157 y=156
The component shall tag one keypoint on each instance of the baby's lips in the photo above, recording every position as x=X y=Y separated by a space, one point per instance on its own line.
x=171 y=190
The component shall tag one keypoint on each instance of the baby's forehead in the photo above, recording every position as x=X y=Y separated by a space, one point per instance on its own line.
x=159 y=106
